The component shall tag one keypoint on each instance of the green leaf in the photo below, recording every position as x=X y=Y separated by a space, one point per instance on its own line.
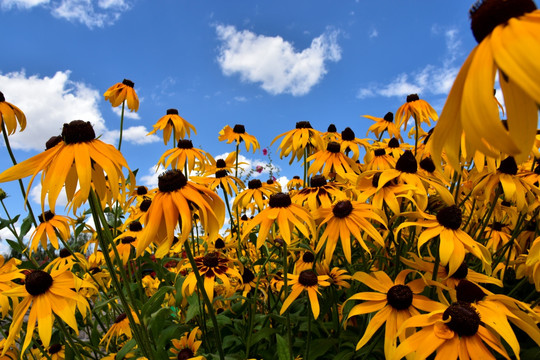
x=125 y=349
x=264 y=334
x=321 y=347
x=282 y=348
x=26 y=225
x=155 y=301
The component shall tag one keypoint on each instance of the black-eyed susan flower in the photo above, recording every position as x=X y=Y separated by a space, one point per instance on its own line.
x=350 y=143
x=174 y=203
x=452 y=331
x=332 y=162
x=10 y=115
x=309 y=281
x=454 y=242
x=345 y=221
x=51 y=226
x=418 y=108
x=394 y=301
x=120 y=92
x=56 y=352
x=254 y=194
x=212 y=267
x=320 y=193
x=296 y=183
x=187 y=346
x=336 y=276
x=286 y=215
x=9 y=272
x=173 y=123
x=306 y=261
x=296 y=142
x=67 y=260
x=9 y=352
x=229 y=183
x=124 y=248
x=185 y=156
x=507 y=47
x=119 y=330
x=238 y=134
x=45 y=295
x=79 y=160
x=331 y=134
x=378 y=159
x=383 y=124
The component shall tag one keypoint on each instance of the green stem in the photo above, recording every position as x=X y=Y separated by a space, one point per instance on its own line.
x=121 y=125
x=415 y=135
x=23 y=191
x=13 y=230
x=286 y=294
x=308 y=340
x=206 y=299
x=67 y=336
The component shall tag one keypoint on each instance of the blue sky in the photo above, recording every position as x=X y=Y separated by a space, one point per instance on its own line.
x=264 y=64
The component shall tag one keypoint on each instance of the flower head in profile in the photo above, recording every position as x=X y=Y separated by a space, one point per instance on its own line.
x=77 y=159
x=238 y=134
x=307 y=281
x=120 y=329
x=173 y=123
x=120 y=92
x=185 y=156
x=383 y=124
x=508 y=46
x=419 y=109
x=299 y=139
x=10 y=115
x=51 y=225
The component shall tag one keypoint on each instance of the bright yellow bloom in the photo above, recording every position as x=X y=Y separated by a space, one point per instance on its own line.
x=184 y=156
x=50 y=225
x=10 y=115
x=238 y=134
x=419 y=109
x=383 y=124
x=332 y=162
x=80 y=159
x=119 y=328
x=173 y=122
x=187 y=346
x=508 y=47
x=8 y=272
x=120 y=92
x=296 y=141
x=309 y=281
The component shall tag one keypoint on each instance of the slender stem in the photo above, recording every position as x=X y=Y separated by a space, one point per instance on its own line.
x=13 y=230
x=286 y=290
x=121 y=125
x=206 y=299
x=67 y=335
x=415 y=134
x=23 y=191
x=308 y=340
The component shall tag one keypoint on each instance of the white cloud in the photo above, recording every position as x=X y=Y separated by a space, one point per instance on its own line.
x=35 y=196
x=373 y=33
x=49 y=102
x=127 y=114
x=92 y=13
x=431 y=79
x=151 y=178
x=273 y=62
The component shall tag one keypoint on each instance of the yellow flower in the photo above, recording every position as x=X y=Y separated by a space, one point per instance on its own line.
x=8 y=273
x=255 y=193
x=119 y=328
x=175 y=201
x=10 y=115
x=185 y=156
x=508 y=47
x=309 y=281
x=320 y=194
x=120 y=92
x=173 y=122
x=419 y=109
x=296 y=141
x=238 y=134
x=332 y=162
x=80 y=159
x=50 y=225
x=56 y=352
x=45 y=295
x=296 y=183
x=383 y=124
x=187 y=346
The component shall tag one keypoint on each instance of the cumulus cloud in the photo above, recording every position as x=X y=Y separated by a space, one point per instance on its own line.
x=49 y=102
x=432 y=79
x=92 y=13
x=127 y=114
x=273 y=62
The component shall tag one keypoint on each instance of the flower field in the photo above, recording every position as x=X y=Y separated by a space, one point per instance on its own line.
x=420 y=240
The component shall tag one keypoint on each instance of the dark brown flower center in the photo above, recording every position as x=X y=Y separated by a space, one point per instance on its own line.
x=469 y=292
x=135 y=226
x=464 y=320
x=247 y=276
x=393 y=143
x=239 y=129
x=308 y=257
x=407 y=163
x=142 y=190
x=487 y=14
x=172 y=112
x=185 y=144
x=78 y=131
x=221 y=173
x=308 y=278
x=54 y=348
x=347 y=134
x=46 y=216
x=412 y=97
x=128 y=83
x=120 y=318
x=38 y=282
x=389 y=116
x=427 y=164
x=317 y=181
x=497 y=226
x=2 y=98
x=220 y=164
x=64 y=253
x=508 y=166
x=342 y=209
x=450 y=217
x=303 y=125
x=380 y=152
x=145 y=205
x=332 y=128
x=127 y=240
x=219 y=244
x=254 y=184
x=400 y=297
x=53 y=141
x=461 y=272
x=185 y=354
x=333 y=147
x=211 y=260
x=280 y=200
x=171 y=180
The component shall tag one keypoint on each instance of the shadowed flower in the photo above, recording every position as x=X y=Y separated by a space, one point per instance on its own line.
x=10 y=115
x=187 y=346
x=120 y=92
x=419 y=109
x=119 y=328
